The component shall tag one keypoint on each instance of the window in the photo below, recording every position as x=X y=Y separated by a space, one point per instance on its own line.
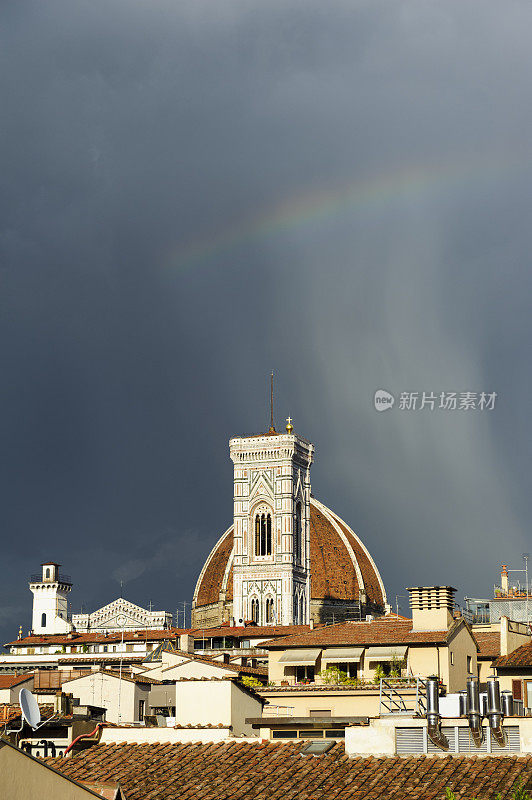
x=320 y=712
x=304 y=674
x=263 y=534
x=350 y=669
x=43 y=620
x=269 y=610
x=129 y=648
x=517 y=690
x=528 y=694
x=297 y=534
x=141 y=710
x=469 y=664
x=255 y=610
x=452 y=659
x=47 y=573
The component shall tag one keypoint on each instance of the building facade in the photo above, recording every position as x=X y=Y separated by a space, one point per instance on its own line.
x=287 y=559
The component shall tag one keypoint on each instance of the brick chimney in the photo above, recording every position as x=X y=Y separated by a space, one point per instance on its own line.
x=432 y=607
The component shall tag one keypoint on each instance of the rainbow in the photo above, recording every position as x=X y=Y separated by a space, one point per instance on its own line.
x=370 y=194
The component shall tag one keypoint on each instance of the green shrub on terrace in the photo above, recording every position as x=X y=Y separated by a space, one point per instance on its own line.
x=333 y=675
x=251 y=682
x=518 y=793
x=378 y=674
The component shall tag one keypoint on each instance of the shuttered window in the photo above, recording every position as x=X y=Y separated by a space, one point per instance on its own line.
x=517 y=690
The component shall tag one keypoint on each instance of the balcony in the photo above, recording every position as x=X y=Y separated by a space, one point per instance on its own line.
x=58 y=579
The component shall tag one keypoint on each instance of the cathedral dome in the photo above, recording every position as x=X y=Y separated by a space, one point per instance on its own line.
x=345 y=582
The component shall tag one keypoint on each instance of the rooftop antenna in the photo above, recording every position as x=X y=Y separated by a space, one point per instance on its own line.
x=272 y=426
x=30 y=712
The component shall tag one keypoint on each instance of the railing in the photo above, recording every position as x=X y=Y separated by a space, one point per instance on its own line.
x=393 y=701
x=58 y=579
x=421 y=697
x=54 y=679
x=278 y=711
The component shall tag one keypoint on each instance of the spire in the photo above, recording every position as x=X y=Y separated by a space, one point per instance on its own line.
x=272 y=426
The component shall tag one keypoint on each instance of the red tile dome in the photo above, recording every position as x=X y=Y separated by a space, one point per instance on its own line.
x=342 y=570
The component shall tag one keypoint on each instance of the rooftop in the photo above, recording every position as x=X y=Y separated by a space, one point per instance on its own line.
x=489 y=644
x=382 y=631
x=522 y=657
x=278 y=771
x=8 y=681
x=101 y=637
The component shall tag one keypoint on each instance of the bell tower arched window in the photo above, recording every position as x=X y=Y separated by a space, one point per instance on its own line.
x=255 y=610
x=269 y=612
x=297 y=533
x=43 y=621
x=263 y=533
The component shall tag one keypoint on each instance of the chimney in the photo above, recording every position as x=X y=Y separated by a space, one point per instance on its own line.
x=432 y=607
x=504 y=579
x=311 y=624
x=504 y=636
x=186 y=643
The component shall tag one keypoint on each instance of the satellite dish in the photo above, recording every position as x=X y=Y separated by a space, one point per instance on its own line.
x=30 y=708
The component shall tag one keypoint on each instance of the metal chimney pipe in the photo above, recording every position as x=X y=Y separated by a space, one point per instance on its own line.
x=433 y=700
x=507 y=703
x=433 y=714
x=494 y=710
x=473 y=711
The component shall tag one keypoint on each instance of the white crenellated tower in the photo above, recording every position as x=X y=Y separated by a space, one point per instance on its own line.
x=50 y=603
x=271 y=567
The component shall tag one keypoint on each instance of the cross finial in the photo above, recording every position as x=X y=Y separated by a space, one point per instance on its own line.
x=289 y=426
x=272 y=426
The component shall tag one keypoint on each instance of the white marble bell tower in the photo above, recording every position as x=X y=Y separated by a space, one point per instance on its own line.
x=271 y=567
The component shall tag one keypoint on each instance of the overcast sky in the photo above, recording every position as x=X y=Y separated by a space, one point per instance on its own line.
x=199 y=191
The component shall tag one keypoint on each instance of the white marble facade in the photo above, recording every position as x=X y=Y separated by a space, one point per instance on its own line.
x=121 y=615
x=271 y=571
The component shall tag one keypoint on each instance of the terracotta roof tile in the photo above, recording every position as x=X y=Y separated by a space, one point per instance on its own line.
x=489 y=643
x=363 y=633
x=8 y=681
x=277 y=771
x=11 y=711
x=522 y=657
x=211 y=583
x=371 y=583
x=258 y=671
x=96 y=638
x=250 y=631
x=333 y=575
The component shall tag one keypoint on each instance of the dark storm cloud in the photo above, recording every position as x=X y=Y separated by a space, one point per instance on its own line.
x=136 y=334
